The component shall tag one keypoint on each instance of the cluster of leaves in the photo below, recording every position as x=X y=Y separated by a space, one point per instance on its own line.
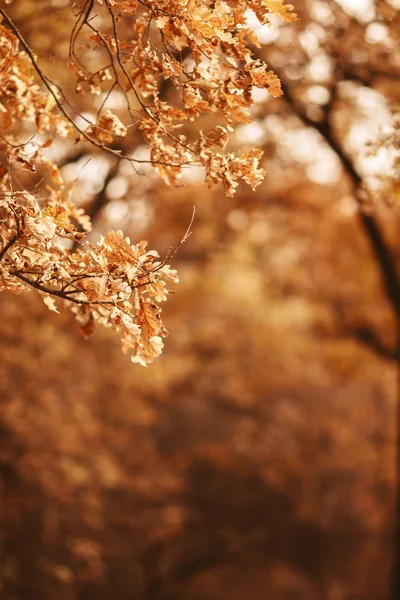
x=201 y=50
x=115 y=283
x=23 y=100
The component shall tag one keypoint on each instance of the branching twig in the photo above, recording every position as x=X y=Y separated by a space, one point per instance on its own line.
x=49 y=86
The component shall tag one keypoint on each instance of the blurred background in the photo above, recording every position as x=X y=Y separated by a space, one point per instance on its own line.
x=257 y=457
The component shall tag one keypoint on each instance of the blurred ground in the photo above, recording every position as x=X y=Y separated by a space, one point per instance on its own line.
x=254 y=459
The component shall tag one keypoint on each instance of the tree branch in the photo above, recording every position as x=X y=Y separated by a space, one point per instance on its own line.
x=369 y=222
x=48 y=84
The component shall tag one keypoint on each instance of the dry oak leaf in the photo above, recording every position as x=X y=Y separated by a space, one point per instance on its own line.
x=284 y=11
x=107 y=126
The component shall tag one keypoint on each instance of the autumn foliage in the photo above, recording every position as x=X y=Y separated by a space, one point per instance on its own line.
x=200 y=50
x=258 y=457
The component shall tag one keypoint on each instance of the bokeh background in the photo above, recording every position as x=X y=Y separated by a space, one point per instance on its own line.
x=257 y=457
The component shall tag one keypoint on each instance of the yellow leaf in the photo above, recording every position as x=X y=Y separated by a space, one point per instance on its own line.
x=284 y=11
